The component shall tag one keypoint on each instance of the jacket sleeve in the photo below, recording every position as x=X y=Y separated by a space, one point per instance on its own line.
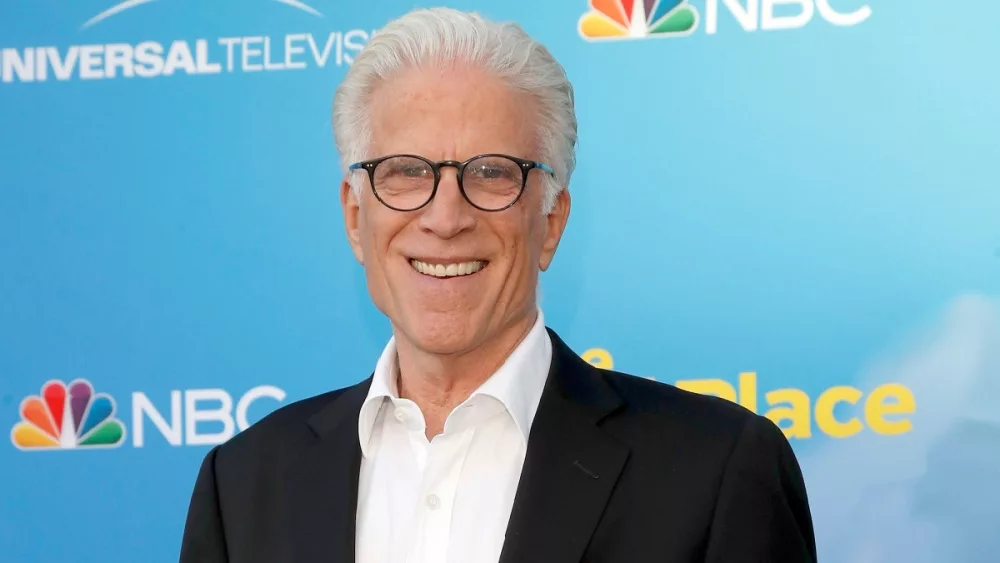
x=204 y=537
x=762 y=511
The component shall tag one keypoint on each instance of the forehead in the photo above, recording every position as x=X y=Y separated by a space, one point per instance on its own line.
x=451 y=113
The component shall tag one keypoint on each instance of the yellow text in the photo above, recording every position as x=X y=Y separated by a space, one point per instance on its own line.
x=884 y=410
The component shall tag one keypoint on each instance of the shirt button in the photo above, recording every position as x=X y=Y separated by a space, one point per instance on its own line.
x=433 y=502
x=400 y=415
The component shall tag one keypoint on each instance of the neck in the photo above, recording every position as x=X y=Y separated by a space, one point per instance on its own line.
x=439 y=383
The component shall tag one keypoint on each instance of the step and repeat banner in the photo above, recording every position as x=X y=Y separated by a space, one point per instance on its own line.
x=793 y=204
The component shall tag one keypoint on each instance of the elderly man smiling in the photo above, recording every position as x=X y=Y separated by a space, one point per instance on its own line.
x=480 y=436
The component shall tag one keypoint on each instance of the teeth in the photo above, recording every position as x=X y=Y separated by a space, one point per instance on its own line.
x=447 y=270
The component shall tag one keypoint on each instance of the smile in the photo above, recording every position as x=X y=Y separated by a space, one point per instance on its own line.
x=448 y=270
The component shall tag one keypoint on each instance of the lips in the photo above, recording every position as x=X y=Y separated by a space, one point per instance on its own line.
x=448 y=269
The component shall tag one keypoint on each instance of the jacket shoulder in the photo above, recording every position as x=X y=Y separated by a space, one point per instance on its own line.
x=696 y=436
x=282 y=431
x=687 y=414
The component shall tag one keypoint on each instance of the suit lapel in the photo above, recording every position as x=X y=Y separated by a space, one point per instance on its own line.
x=324 y=490
x=570 y=468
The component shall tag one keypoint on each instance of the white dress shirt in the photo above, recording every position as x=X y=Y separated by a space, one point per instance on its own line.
x=446 y=500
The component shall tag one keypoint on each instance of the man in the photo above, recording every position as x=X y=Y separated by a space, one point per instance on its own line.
x=481 y=437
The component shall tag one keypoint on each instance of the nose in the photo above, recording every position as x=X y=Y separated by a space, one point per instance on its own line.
x=448 y=214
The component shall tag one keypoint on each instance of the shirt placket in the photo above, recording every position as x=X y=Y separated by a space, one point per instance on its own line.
x=442 y=475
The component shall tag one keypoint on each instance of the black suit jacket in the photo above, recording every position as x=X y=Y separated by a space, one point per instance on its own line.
x=618 y=469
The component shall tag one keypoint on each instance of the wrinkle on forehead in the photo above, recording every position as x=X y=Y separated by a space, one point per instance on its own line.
x=452 y=112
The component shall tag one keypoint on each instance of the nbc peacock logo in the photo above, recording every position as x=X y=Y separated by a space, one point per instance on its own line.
x=637 y=19
x=67 y=417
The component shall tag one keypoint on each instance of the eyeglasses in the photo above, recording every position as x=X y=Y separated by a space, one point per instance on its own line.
x=490 y=182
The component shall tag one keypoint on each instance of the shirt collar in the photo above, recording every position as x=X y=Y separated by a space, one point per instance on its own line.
x=517 y=384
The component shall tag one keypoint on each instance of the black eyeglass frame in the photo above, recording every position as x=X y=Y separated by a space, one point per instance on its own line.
x=525 y=165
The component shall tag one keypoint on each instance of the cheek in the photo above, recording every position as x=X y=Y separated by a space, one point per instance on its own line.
x=535 y=235
x=523 y=241
x=366 y=236
x=378 y=229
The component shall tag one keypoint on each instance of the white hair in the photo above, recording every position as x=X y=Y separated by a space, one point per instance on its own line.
x=445 y=36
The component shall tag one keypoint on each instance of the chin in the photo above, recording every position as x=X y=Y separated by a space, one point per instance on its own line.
x=442 y=333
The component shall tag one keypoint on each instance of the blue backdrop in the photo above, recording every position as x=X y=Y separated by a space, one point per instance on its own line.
x=790 y=203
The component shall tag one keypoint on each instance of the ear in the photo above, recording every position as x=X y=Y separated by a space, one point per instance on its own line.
x=352 y=208
x=556 y=224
